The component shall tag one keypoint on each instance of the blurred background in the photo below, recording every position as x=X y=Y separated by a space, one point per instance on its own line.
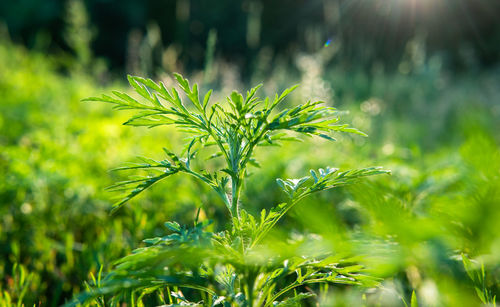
x=421 y=77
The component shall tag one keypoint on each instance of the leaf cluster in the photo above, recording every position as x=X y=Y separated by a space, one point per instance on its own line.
x=226 y=268
x=478 y=277
x=223 y=276
x=235 y=129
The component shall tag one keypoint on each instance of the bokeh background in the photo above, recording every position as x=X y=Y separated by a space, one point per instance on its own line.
x=421 y=77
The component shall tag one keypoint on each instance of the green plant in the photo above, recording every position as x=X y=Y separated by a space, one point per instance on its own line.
x=194 y=266
x=20 y=282
x=478 y=277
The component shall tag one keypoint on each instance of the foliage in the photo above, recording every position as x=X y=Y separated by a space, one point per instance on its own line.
x=189 y=257
x=436 y=131
x=53 y=211
x=478 y=277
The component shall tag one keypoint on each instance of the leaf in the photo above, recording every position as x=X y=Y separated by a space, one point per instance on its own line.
x=313 y=174
x=142 y=185
x=281 y=183
x=152 y=240
x=206 y=99
x=218 y=300
x=149 y=120
x=322 y=135
x=469 y=267
x=251 y=93
x=480 y=294
x=171 y=155
x=237 y=100
x=126 y=104
x=283 y=95
x=141 y=90
x=414 y=302
x=174 y=226
x=328 y=181
x=127 y=99
x=346 y=128
x=147 y=82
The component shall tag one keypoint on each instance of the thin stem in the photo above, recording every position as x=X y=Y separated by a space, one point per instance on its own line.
x=235 y=211
x=235 y=195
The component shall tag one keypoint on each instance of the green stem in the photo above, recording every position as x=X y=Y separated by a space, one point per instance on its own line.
x=235 y=196
x=235 y=208
x=250 y=286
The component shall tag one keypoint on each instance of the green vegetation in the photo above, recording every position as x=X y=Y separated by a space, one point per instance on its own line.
x=230 y=267
x=425 y=235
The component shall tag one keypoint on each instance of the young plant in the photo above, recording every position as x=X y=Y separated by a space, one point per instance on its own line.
x=192 y=266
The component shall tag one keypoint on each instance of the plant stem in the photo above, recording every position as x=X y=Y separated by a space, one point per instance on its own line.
x=235 y=210
x=250 y=286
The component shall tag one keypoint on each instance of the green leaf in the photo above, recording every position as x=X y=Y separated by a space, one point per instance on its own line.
x=481 y=295
x=313 y=174
x=152 y=240
x=414 y=302
x=206 y=99
x=142 y=185
x=151 y=120
x=174 y=226
x=469 y=269
x=283 y=95
x=141 y=90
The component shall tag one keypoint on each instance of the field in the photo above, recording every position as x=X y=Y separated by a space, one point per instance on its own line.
x=426 y=234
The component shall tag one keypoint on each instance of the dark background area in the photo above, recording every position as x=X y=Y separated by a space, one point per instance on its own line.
x=465 y=32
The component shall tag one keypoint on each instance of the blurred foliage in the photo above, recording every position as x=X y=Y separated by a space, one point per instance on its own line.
x=465 y=31
x=437 y=130
x=54 y=156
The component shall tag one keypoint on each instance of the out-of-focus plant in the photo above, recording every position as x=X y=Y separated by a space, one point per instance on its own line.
x=194 y=266
x=20 y=282
x=478 y=277
x=78 y=33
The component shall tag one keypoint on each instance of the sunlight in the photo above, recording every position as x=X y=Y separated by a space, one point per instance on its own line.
x=390 y=7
